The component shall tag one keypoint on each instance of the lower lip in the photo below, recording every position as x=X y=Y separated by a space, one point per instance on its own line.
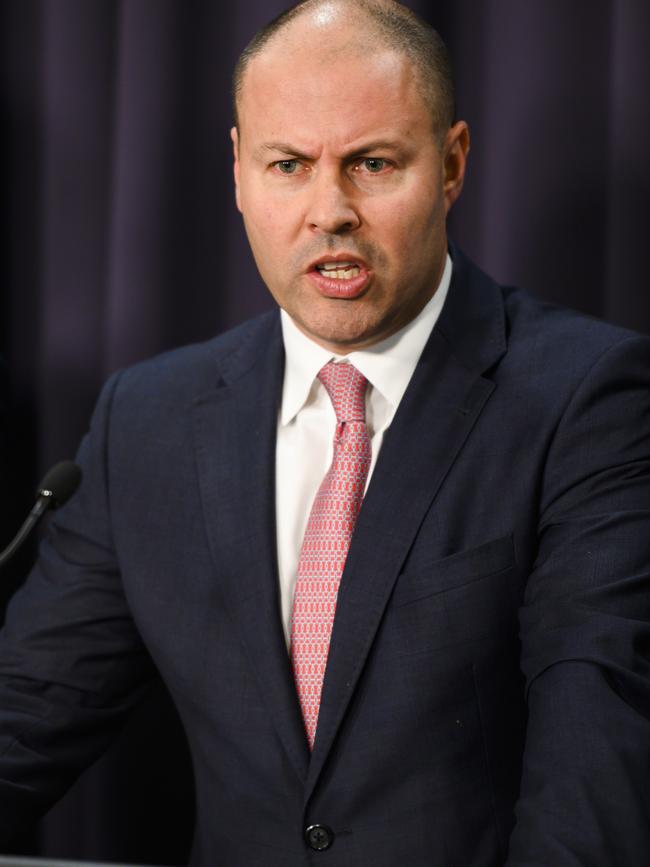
x=333 y=287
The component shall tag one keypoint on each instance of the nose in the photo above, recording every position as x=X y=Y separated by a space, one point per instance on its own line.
x=331 y=209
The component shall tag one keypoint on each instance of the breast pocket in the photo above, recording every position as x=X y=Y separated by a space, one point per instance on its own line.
x=468 y=596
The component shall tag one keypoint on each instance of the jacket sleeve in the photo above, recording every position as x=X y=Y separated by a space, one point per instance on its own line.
x=72 y=665
x=585 y=631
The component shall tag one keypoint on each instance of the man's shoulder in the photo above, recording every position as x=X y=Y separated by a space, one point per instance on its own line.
x=556 y=342
x=555 y=349
x=531 y=320
x=199 y=367
x=488 y=323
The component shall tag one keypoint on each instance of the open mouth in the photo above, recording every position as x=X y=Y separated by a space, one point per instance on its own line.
x=339 y=270
x=340 y=278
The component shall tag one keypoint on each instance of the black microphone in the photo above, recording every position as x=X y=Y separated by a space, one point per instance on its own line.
x=58 y=485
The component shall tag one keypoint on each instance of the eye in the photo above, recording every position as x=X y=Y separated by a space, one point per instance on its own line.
x=374 y=165
x=286 y=167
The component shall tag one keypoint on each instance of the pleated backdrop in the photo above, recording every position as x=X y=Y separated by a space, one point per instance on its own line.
x=121 y=239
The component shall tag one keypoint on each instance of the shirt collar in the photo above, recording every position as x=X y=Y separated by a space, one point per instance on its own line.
x=387 y=365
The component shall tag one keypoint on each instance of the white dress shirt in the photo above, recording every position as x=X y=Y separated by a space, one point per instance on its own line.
x=306 y=422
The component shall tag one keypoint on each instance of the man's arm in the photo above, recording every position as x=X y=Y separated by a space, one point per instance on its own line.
x=71 y=662
x=585 y=630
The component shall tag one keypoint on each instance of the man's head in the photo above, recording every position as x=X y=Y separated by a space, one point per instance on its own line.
x=345 y=153
x=388 y=24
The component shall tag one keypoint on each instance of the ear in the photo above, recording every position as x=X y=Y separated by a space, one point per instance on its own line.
x=454 y=154
x=235 y=148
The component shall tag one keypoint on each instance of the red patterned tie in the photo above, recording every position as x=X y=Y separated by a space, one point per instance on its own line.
x=327 y=537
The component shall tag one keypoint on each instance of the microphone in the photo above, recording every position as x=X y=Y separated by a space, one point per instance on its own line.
x=58 y=485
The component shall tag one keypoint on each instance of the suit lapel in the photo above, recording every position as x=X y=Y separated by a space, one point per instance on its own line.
x=235 y=430
x=440 y=407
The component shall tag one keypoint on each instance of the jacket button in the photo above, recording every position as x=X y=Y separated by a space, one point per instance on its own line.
x=319 y=837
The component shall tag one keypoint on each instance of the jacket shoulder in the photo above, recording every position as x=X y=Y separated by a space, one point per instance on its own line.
x=196 y=368
x=538 y=323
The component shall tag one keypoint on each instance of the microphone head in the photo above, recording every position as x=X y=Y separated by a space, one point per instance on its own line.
x=59 y=483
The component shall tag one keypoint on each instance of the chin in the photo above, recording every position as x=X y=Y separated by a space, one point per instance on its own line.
x=342 y=331
x=342 y=342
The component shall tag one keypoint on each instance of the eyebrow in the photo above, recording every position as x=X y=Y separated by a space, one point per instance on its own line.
x=368 y=147
x=282 y=147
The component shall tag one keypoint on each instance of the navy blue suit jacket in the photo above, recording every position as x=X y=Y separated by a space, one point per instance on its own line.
x=489 y=664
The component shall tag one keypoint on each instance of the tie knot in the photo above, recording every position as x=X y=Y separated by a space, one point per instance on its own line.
x=346 y=387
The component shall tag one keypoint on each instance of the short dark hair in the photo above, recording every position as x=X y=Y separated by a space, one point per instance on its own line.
x=401 y=30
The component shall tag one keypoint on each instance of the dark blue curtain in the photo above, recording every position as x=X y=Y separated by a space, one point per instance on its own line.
x=120 y=239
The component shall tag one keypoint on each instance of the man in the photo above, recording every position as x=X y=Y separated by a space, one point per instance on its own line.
x=453 y=671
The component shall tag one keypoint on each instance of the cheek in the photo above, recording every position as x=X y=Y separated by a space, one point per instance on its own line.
x=399 y=226
x=414 y=208
x=255 y=208
x=261 y=222
x=386 y=218
x=269 y=219
x=413 y=238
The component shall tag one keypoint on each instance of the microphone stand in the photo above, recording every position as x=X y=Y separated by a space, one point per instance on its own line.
x=59 y=484
x=39 y=508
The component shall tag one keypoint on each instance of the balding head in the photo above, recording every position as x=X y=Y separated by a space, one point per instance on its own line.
x=326 y=29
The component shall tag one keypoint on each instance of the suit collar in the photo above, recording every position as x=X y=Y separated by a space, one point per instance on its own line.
x=473 y=320
x=257 y=344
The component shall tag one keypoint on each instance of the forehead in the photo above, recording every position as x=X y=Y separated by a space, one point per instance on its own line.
x=335 y=87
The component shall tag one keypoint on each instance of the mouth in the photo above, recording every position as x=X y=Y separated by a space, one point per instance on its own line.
x=340 y=276
x=339 y=270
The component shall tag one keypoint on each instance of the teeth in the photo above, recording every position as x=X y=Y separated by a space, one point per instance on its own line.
x=344 y=273
x=335 y=266
x=339 y=270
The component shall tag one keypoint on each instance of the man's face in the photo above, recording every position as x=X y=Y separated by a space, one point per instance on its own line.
x=344 y=188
